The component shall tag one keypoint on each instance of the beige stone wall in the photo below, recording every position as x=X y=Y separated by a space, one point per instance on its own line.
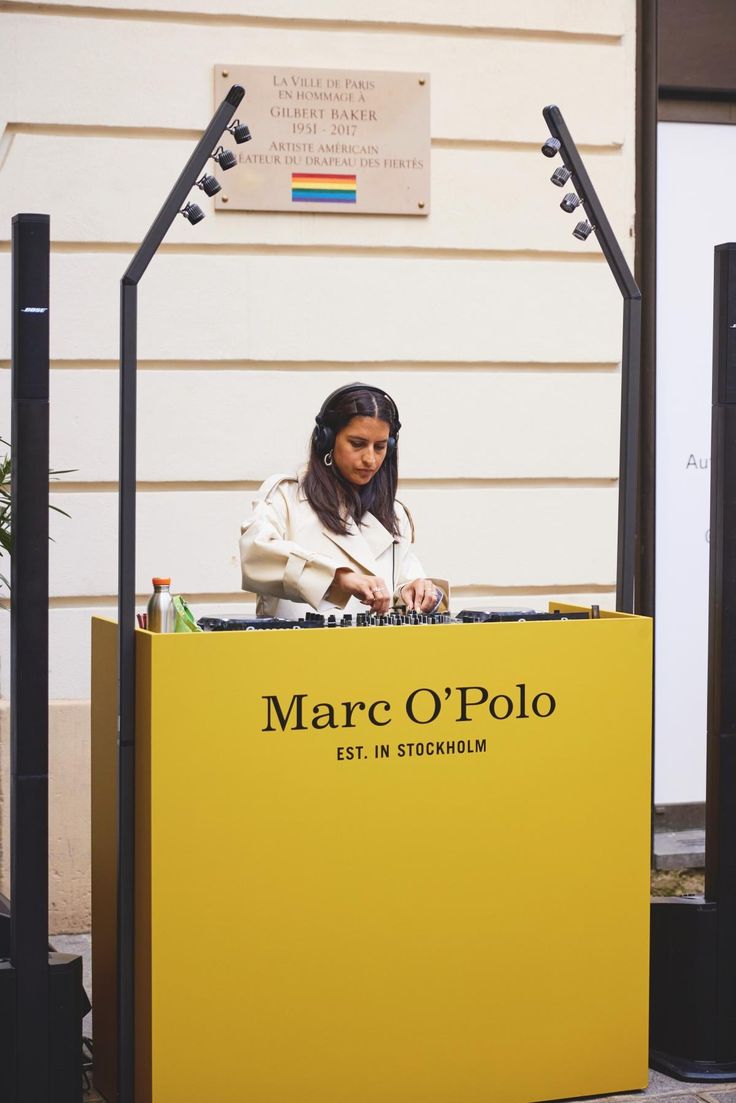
x=497 y=333
x=69 y=803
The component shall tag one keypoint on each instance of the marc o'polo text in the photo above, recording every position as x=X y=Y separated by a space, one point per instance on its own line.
x=424 y=705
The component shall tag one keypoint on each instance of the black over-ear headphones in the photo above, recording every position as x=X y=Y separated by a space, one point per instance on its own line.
x=324 y=434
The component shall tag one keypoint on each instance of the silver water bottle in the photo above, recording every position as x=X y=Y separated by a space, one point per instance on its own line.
x=161 y=607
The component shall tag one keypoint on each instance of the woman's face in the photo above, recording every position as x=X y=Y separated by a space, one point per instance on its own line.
x=360 y=449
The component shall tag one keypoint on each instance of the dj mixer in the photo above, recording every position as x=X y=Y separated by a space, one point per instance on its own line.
x=389 y=620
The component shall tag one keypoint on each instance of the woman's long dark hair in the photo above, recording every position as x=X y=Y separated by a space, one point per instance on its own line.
x=333 y=498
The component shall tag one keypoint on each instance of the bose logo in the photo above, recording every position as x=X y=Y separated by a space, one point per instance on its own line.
x=34 y=310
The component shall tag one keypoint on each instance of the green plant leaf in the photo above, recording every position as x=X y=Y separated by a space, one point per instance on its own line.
x=6 y=536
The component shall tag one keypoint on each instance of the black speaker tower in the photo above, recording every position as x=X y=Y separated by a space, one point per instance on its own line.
x=40 y=993
x=693 y=980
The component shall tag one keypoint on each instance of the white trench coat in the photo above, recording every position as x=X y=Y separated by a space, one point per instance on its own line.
x=289 y=558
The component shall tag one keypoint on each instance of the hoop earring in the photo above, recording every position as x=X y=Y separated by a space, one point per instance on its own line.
x=327 y=459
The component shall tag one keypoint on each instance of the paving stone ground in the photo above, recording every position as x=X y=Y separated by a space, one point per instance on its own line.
x=661 y=1088
x=665 y=1090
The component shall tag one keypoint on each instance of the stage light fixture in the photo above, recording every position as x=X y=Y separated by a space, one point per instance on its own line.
x=225 y=158
x=192 y=213
x=551 y=147
x=240 y=132
x=560 y=176
x=570 y=202
x=582 y=231
x=209 y=185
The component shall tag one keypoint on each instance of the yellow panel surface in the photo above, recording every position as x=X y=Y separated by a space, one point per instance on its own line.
x=104 y=853
x=467 y=923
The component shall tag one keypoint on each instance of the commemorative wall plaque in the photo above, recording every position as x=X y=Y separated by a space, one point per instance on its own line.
x=329 y=141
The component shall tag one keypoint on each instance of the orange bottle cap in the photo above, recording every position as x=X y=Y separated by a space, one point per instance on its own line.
x=161 y=581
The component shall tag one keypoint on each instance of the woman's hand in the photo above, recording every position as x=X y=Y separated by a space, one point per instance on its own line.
x=366 y=587
x=421 y=595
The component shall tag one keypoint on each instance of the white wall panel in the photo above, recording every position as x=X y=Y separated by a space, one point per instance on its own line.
x=478 y=537
x=482 y=87
x=211 y=305
x=481 y=199
x=510 y=465
x=684 y=414
x=606 y=17
x=244 y=425
x=206 y=307
x=508 y=536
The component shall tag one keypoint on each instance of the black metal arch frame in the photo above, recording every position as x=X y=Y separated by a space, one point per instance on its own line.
x=126 y=582
x=626 y=569
x=127 y=512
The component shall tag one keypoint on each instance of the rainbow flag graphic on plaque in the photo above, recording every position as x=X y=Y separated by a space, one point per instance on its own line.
x=323 y=187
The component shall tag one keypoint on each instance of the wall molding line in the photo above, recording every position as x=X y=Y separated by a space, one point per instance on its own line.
x=243 y=597
x=331 y=251
x=352 y=367
x=205 y=486
x=341 y=26
x=173 y=133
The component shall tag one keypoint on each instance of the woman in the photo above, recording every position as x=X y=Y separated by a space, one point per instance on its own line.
x=337 y=537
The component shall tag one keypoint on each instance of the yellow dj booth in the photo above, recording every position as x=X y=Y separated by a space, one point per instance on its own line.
x=386 y=865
